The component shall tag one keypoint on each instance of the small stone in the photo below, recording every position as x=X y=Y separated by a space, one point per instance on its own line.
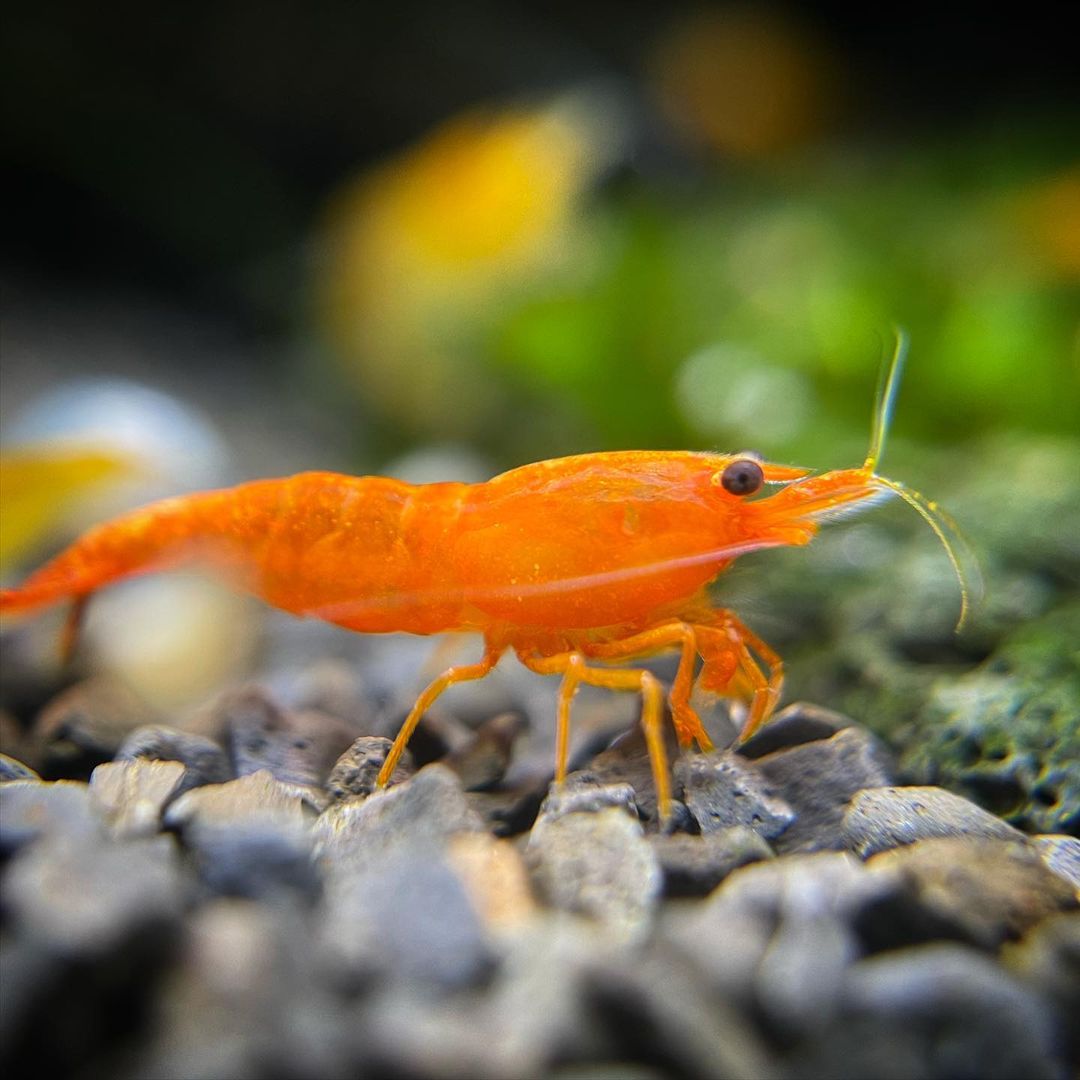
x=934 y=1011
x=782 y=934
x=626 y=761
x=482 y=762
x=721 y=790
x=11 y=769
x=420 y=814
x=203 y=759
x=240 y=995
x=597 y=864
x=675 y=1017
x=355 y=772
x=33 y=808
x=818 y=778
x=295 y=747
x=989 y=890
x=84 y=726
x=533 y=1014
x=407 y=916
x=887 y=817
x=799 y=723
x=539 y=1011
x=1048 y=960
x=495 y=878
x=257 y=795
x=695 y=865
x=250 y=837
x=1061 y=854
x=579 y=796
x=132 y=794
x=85 y=897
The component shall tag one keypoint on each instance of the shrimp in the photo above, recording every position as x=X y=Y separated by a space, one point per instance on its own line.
x=576 y=565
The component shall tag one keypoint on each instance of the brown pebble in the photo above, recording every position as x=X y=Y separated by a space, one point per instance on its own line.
x=132 y=794
x=990 y=890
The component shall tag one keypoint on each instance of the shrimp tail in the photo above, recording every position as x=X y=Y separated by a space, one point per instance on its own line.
x=163 y=535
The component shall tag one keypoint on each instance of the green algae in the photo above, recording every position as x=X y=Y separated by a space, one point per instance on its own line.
x=1008 y=734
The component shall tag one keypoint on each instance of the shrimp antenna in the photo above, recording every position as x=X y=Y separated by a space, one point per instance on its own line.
x=885 y=399
x=945 y=528
x=952 y=540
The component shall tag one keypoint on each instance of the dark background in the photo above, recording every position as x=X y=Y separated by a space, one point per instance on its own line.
x=184 y=147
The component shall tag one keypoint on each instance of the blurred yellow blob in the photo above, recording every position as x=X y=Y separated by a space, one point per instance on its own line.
x=743 y=81
x=41 y=486
x=415 y=254
x=174 y=639
x=1048 y=214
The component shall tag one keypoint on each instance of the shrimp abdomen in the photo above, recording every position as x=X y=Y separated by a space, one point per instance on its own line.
x=317 y=543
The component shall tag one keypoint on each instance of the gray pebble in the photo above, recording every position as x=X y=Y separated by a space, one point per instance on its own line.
x=32 y=808
x=801 y=722
x=597 y=864
x=580 y=796
x=250 y=837
x=695 y=865
x=482 y=762
x=931 y=1013
x=259 y=795
x=404 y=915
x=131 y=794
x=675 y=1018
x=203 y=759
x=782 y=933
x=1061 y=854
x=242 y=994
x=626 y=761
x=538 y=1005
x=886 y=817
x=721 y=790
x=10 y=769
x=86 y=897
x=419 y=814
x=355 y=772
x=295 y=747
x=818 y=778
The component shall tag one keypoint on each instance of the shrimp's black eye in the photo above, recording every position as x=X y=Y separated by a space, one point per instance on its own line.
x=742 y=477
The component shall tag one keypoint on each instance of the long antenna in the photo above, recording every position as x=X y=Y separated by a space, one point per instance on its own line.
x=947 y=531
x=885 y=399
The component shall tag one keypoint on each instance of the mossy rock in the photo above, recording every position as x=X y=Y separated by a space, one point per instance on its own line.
x=1008 y=734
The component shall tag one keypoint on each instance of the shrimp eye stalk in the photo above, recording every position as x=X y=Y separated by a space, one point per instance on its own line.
x=742 y=477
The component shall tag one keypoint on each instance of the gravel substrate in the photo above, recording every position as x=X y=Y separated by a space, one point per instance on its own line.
x=240 y=903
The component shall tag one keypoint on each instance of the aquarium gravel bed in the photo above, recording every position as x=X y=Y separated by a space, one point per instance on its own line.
x=238 y=902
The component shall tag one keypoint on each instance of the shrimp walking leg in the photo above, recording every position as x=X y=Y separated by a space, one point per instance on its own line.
x=748 y=664
x=765 y=696
x=448 y=678
x=688 y=726
x=575 y=671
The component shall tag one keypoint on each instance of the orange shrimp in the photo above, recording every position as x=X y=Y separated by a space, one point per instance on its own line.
x=573 y=564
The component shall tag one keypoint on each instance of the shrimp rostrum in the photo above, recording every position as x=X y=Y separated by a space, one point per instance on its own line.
x=578 y=565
